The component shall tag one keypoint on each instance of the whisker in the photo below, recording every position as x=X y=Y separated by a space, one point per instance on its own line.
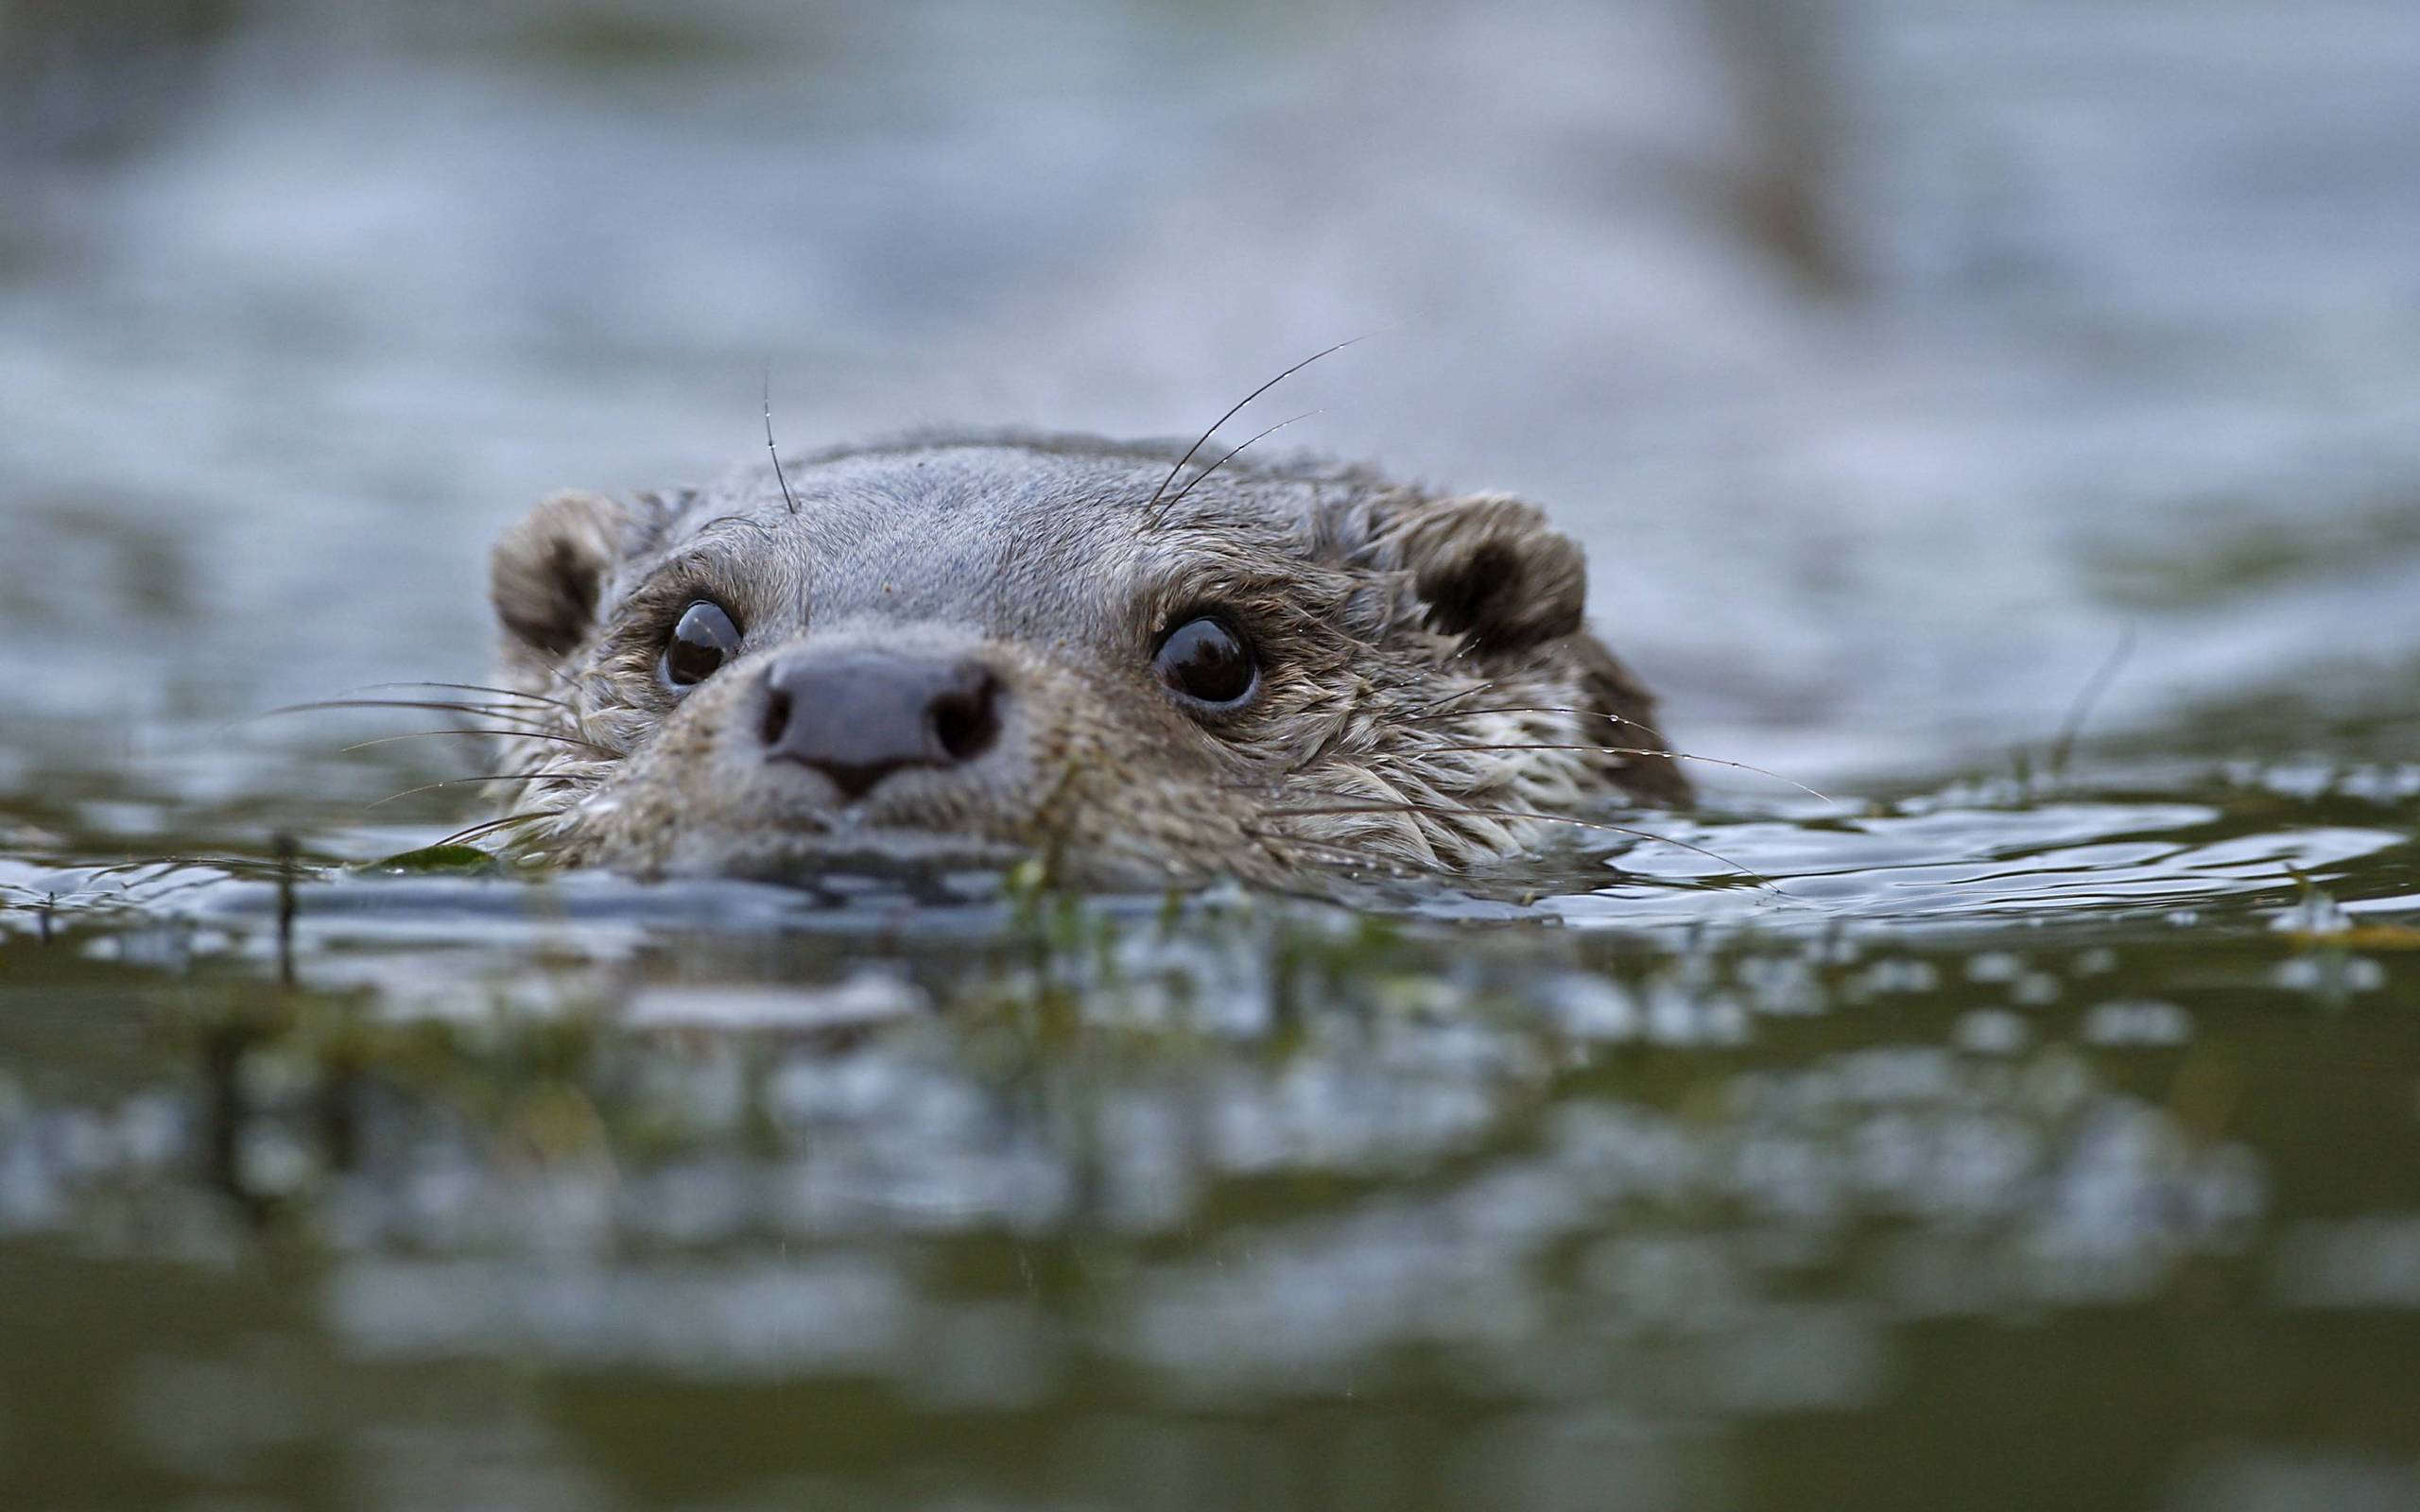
x=504 y=734
x=457 y=781
x=1445 y=812
x=1200 y=441
x=526 y=721
x=464 y=687
x=1611 y=750
x=463 y=836
x=779 y=476
x=1534 y=709
x=1640 y=750
x=580 y=682
x=1231 y=455
x=1473 y=690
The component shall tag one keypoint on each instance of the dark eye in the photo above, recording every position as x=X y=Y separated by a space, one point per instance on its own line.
x=1205 y=660
x=704 y=640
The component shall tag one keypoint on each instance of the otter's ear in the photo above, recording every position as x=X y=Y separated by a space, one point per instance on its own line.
x=1489 y=568
x=548 y=574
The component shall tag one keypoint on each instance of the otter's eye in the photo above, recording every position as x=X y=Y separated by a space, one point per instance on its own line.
x=1205 y=660
x=704 y=640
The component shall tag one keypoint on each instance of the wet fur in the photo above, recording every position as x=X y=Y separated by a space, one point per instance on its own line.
x=1430 y=698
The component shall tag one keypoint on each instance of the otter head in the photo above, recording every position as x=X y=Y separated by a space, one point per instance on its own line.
x=991 y=647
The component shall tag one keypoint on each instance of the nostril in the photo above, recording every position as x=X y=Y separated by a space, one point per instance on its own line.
x=966 y=719
x=777 y=715
x=859 y=715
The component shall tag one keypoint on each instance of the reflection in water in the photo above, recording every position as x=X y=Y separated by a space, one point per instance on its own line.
x=1250 y=1155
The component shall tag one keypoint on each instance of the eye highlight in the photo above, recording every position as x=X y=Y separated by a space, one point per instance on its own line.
x=700 y=643
x=1207 y=660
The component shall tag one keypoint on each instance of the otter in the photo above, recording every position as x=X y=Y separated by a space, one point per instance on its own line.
x=986 y=648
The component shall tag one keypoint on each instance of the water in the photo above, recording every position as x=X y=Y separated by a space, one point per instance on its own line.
x=2033 y=1121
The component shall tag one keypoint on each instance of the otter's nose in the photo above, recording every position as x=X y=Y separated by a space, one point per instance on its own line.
x=857 y=716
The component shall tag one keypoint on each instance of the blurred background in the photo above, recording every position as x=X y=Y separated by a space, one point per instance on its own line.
x=1893 y=357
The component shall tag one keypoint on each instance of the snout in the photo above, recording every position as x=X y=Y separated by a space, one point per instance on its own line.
x=858 y=747
x=860 y=715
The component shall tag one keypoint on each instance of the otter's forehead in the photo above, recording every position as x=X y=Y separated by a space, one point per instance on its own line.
x=1003 y=536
